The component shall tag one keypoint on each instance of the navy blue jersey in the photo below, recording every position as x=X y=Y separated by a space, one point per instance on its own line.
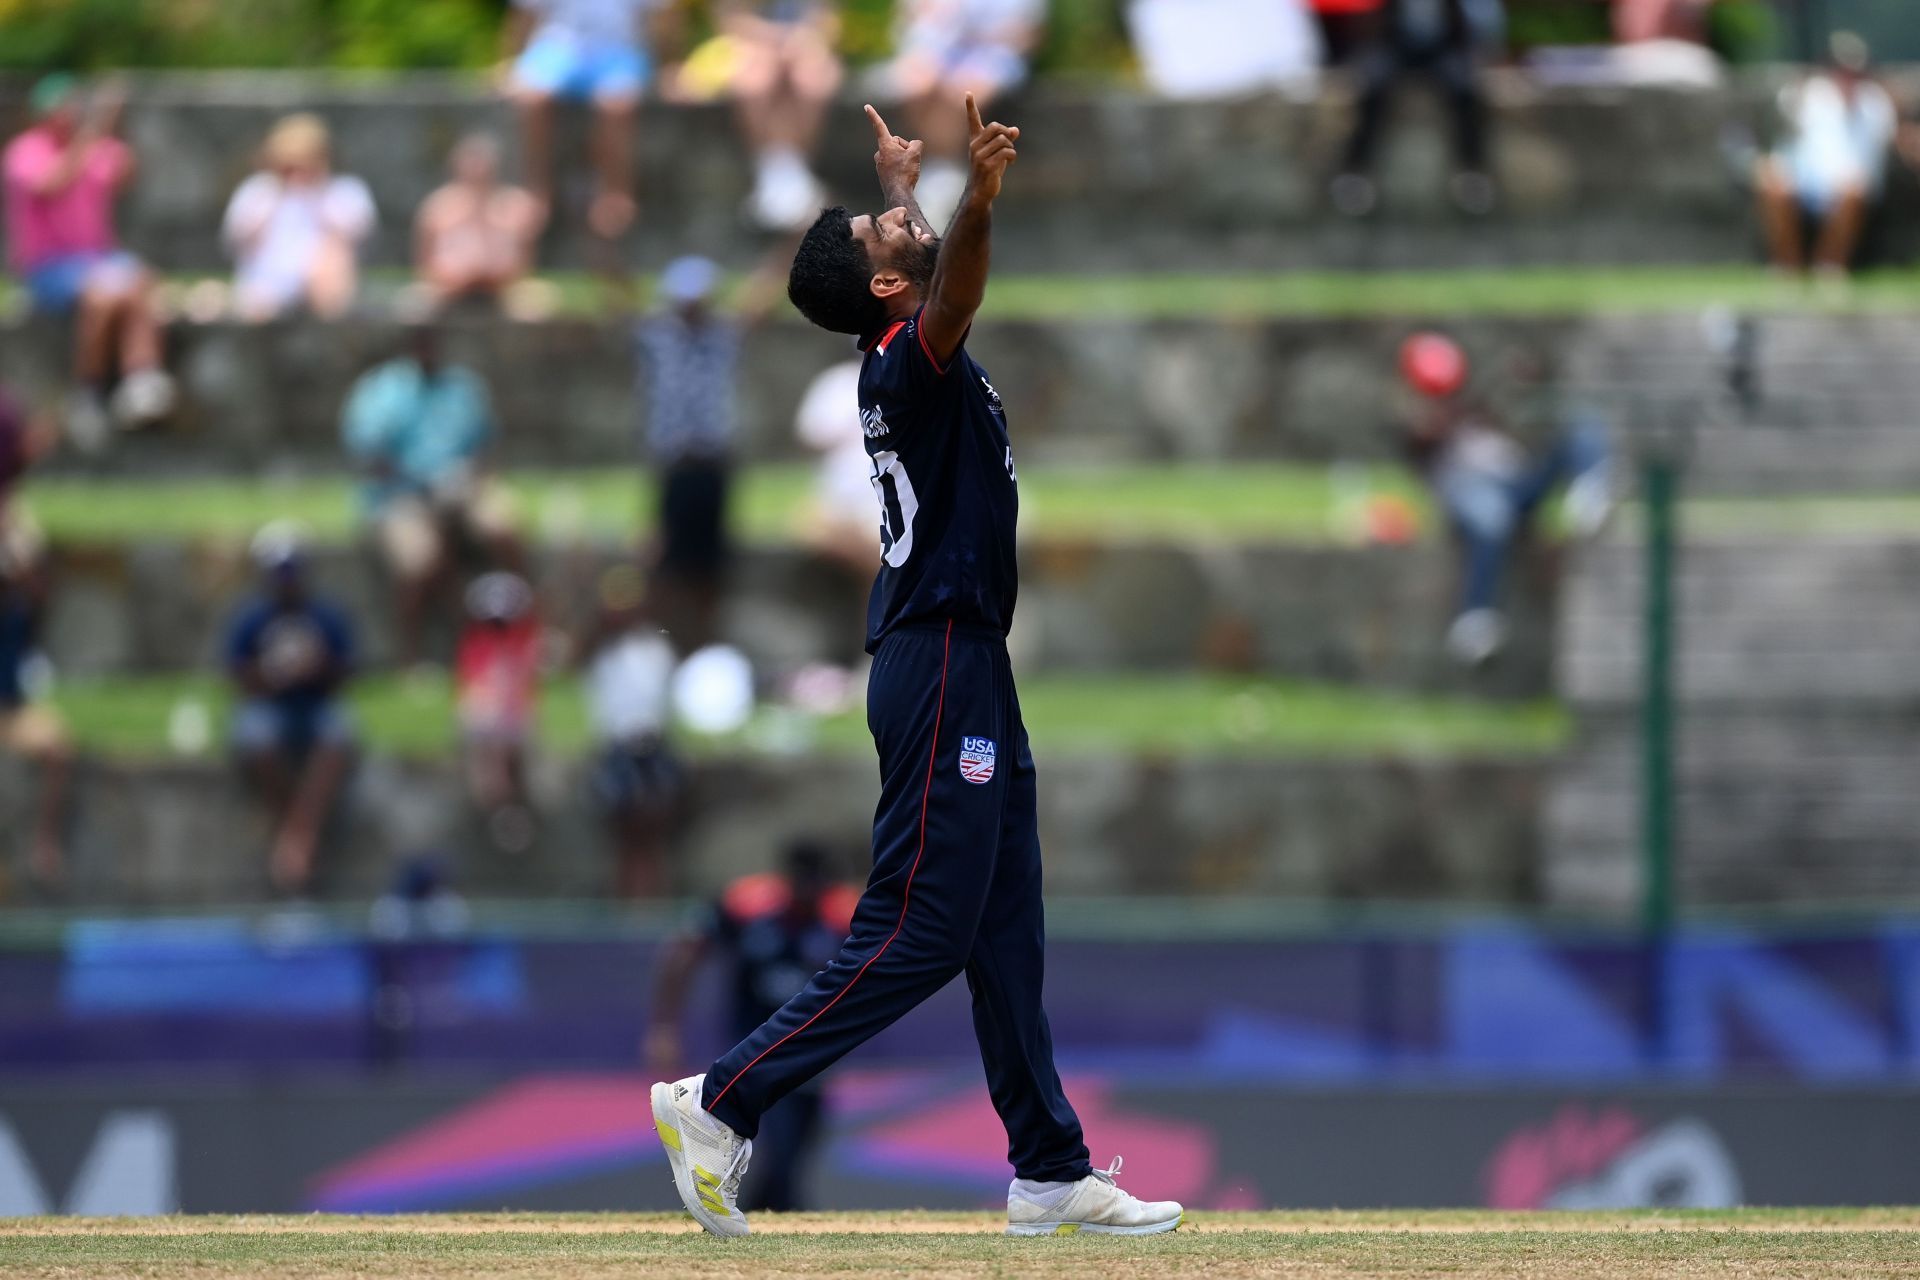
x=775 y=949
x=943 y=471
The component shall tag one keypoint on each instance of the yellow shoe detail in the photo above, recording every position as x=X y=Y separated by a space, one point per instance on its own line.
x=669 y=1135
x=1066 y=1228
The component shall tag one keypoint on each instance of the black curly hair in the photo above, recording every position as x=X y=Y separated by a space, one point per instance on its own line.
x=831 y=277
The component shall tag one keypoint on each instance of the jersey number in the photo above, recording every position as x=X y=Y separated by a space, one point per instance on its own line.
x=898 y=506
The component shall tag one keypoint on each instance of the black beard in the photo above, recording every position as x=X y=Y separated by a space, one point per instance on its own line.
x=918 y=262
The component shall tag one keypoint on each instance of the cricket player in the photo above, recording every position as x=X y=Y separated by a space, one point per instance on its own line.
x=955 y=886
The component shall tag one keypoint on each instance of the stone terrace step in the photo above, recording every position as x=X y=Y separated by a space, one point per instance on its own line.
x=1764 y=621
x=1459 y=830
x=1799 y=722
x=1352 y=615
x=1803 y=806
x=1108 y=178
x=1107 y=388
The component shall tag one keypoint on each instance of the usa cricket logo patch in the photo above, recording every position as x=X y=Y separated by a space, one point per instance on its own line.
x=977 y=756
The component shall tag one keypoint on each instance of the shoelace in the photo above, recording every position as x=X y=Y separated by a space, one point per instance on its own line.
x=736 y=1169
x=1112 y=1171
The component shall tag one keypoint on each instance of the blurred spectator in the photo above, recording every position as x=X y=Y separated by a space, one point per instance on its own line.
x=776 y=929
x=949 y=48
x=1638 y=21
x=419 y=428
x=1828 y=170
x=840 y=520
x=295 y=227
x=290 y=653
x=1488 y=487
x=1434 y=39
x=420 y=904
x=590 y=51
x=636 y=779
x=1225 y=48
x=29 y=727
x=689 y=356
x=785 y=72
x=496 y=687
x=24 y=440
x=474 y=236
x=62 y=177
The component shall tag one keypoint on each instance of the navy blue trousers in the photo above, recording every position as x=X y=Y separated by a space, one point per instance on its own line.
x=955 y=889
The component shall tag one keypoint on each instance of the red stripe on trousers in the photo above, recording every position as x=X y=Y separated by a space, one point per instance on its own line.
x=906 y=897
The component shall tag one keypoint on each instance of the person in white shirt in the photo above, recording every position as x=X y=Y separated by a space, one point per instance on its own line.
x=839 y=522
x=295 y=227
x=1829 y=168
x=948 y=49
x=636 y=780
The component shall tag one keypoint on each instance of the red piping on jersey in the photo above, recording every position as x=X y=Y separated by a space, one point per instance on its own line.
x=906 y=896
x=920 y=332
x=882 y=341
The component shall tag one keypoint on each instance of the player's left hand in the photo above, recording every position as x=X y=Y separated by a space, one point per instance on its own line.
x=895 y=159
x=990 y=148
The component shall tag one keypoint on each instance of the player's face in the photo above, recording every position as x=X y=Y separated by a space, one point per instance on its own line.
x=890 y=231
x=891 y=239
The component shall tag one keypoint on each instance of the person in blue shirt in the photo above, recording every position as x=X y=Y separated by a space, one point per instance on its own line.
x=290 y=655
x=419 y=428
x=955 y=885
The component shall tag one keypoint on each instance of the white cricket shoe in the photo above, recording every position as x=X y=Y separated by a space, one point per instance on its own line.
x=708 y=1158
x=1094 y=1204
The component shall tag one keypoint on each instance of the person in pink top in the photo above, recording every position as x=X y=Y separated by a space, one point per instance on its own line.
x=61 y=179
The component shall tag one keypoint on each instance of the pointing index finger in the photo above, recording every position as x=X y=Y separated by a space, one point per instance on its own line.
x=880 y=129
x=974 y=123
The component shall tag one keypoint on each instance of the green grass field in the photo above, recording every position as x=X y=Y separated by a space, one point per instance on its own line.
x=1261 y=502
x=1270 y=503
x=1459 y=292
x=1177 y=714
x=1757 y=1244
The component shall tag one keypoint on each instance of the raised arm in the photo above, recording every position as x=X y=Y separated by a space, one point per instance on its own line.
x=960 y=275
x=896 y=161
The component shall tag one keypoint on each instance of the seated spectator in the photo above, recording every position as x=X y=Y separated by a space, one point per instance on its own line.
x=496 y=685
x=591 y=51
x=785 y=73
x=948 y=49
x=295 y=227
x=290 y=654
x=1828 y=170
x=418 y=428
x=1434 y=39
x=1226 y=48
x=637 y=782
x=474 y=237
x=1488 y=487
x=62 y=177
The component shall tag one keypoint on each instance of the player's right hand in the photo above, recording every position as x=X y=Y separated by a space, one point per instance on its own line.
x=990 y=151
x=895 y=159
